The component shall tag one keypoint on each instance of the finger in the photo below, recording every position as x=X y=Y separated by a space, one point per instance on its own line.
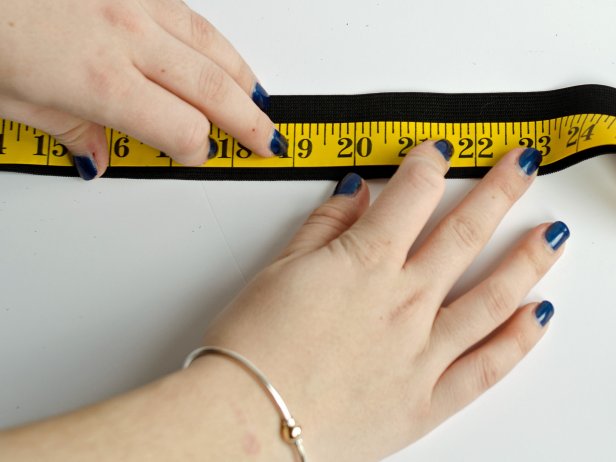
x=201 y=82
x=458 y=239
x=158 y=118
x=474 y=373
x=484 y=308
x=86 y=141
x=390 y=226
x=192 y=29
x=349 y=201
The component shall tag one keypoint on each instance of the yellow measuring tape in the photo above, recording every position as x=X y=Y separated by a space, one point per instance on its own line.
x=327 y=148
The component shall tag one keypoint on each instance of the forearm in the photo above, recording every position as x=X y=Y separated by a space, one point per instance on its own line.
x=212 y=411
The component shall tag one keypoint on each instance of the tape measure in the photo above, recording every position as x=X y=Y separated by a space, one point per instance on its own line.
x=330 y=135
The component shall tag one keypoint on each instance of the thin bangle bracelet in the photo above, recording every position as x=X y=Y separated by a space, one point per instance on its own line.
x=291 y=431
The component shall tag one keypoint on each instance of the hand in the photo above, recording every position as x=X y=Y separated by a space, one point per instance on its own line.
x=353 y=331
x=153 y=69
x=349 y=327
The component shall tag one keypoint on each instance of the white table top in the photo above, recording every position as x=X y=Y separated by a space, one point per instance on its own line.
x=107 y=285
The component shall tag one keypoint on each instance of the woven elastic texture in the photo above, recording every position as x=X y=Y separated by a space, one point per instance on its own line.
x=391 y=107
x=445 y=107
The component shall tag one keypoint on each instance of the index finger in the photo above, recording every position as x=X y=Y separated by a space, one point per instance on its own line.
x=198 y=80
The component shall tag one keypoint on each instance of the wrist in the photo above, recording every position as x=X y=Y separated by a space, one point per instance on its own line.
x=233 y=417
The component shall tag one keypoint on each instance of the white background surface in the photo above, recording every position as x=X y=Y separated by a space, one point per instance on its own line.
x=105 y=286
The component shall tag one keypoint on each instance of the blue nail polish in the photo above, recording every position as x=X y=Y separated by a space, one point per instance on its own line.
x=261 y=97
x=279 y=145
x=213 y=148
x=530 y=160
x=349 y=185
x=445 y=148
x=544 y=312
x=86 y=167
x=557 y=234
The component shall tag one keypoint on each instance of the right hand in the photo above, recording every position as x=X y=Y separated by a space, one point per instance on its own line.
x=153 y=69
x=363 y=339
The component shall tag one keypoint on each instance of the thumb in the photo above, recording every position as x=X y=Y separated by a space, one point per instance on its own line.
x=349 y=201
x=86 y=141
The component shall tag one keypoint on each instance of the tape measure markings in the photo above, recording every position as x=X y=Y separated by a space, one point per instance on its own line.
x=371 y=134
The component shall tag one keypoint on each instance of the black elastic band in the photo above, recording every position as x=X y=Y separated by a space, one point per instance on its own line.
x=391 y=107
x=445 y=107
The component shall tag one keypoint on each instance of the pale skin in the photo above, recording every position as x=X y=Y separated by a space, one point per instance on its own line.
x=359 y=336
x=351 y=330
x=153 y=69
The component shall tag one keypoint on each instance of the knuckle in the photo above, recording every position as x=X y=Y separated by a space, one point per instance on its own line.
x=332 y=216
x=74 y=134
x=368 y=253
x=243 y=71
x=259 y=132
x=506 y=189
x=499 y=301
x=522 y=342
x=536 y=262
x=121 y=17
x=107 y=82
x=202 y=32
x=423 y=175
x=213 y=84
x=466 y=231
x=410 y=304
x=488 y=371
x=191 y=143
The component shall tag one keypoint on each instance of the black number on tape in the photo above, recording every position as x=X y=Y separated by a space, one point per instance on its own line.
x=544 y=144
x=407 y=144
x=305 y=147
x=526 y=142
x=40 y=144
x=243 y=152
x=59 y=149
x=347 y=150
x=487 y=144
x=364 y=147
x=587 y=134
x=120 y=147
x=224 y=149
x=467 y=145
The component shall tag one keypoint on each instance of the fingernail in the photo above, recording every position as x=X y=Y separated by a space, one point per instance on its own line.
x=279 y=145
x=544 y=312
x=349 y=185
x=213 y=148
x=85 y=166
x=557 y=234
x=261 y=97
x=445 y=148
x=529 y=161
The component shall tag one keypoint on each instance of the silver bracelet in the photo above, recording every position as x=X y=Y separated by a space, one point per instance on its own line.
x=291 y=432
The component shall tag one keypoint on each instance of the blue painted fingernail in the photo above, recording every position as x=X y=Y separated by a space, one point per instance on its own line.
x=213 y=148
x=349 y=185
x=261 y=97
x=557 y=234
x=544 y=312
x=530 y=160
x=445 y=148
x=85 y=166
x=279 y=145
